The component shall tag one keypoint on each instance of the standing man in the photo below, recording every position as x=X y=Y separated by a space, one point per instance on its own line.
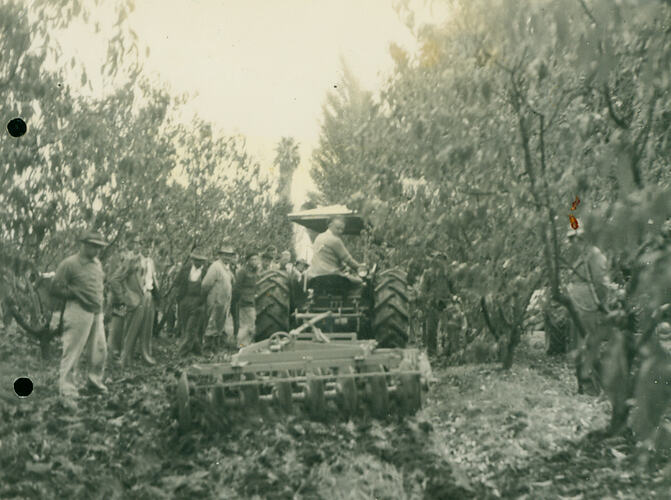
x=117 y=327
x=300 y=270
x=454 y=326
x=129 y=283
x=190 y=269
x=192 y=304
x=79 y=281
x=589 y=291
x=287 y=266
x=149 y=284
x=218 y=286
x=285 y=261
x=230 y=327
x=434 y=289
x=118 y=308
x=244 y=295
x=268 y=260
x=301 y=266
x=330 y=254
x=133 y=284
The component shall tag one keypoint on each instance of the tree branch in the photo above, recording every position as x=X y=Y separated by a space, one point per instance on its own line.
x=488 y=322
x=587 y=11
x=482 y=193
x=571 y=94
x=642 y=139
x=619 y=121
x=503 y=318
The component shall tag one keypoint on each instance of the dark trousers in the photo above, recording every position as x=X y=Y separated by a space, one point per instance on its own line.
x=138 y=327
x=194 y=328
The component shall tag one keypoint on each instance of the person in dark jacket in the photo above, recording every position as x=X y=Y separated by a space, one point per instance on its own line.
x=128 y=284
x=181 y=287
x=244 y=295
x=117 y=309
x=435 y=292
x=192 y=303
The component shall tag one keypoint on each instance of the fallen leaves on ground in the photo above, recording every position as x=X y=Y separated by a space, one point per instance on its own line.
x=482 y=434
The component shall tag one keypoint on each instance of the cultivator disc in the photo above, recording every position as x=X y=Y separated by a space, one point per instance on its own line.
x=316 y=377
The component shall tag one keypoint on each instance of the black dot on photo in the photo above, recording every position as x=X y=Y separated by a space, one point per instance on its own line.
x=16 y=127
x=23 y=387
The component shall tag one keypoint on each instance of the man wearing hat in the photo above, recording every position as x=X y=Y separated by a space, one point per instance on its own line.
x=268 y=262
x=300 y=268
x=118 y=310
x=136 y=284
x=301 y=265
x=589 y=290
x=192 y=303
x=218 y=286
x=79 y=281
x=285 y=261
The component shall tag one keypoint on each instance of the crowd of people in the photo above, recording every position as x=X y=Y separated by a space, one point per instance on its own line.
x=217 y=299
x=212 y=299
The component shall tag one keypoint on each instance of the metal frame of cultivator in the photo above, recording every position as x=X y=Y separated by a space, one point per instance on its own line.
x=350 y=305
x=308 y=370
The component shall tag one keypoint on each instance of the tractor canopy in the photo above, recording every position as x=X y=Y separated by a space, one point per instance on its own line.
x=317 y=219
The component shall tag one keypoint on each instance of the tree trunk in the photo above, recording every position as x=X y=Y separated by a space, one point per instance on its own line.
x=512 y=340
x=431 y=331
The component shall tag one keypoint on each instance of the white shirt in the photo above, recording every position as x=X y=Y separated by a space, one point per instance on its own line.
x=195 y=273
x=148 y=273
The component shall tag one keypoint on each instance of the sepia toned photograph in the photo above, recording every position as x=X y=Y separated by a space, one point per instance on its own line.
x=335 y=250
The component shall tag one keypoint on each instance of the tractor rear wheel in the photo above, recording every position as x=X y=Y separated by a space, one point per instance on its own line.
x=390 y=312
x=273 y=303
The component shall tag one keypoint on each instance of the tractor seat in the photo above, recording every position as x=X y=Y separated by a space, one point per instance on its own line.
x=331 y=284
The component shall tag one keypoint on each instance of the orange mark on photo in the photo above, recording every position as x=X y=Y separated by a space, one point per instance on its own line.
x=574 y=222
x=575 y=203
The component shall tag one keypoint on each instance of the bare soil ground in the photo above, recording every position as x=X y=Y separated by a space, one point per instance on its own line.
x=483 y=433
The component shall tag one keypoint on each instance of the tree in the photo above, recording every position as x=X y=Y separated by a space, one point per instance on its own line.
x=117 y=163
x=286 y=161
x=339 y=163
x=45 y=186
x=478 y=145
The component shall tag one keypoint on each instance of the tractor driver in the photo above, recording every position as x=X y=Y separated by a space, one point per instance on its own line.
x=330 y=253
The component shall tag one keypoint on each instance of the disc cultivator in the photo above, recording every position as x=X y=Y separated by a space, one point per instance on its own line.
x=308 y=371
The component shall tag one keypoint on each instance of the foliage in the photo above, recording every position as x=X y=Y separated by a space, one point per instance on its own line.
x=286 y=161
x=479 y=143
x=116 y=163
x=340 y=161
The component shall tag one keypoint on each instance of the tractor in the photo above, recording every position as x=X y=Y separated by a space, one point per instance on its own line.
x=378 y=309
x=322 y=346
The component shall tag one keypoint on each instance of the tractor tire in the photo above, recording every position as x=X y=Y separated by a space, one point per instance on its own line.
x=273 y=304
x=390 y=313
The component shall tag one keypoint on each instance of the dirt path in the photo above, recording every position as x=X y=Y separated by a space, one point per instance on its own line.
x=482 y=434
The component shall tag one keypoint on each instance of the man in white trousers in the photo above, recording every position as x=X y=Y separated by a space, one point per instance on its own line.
x=79 y=281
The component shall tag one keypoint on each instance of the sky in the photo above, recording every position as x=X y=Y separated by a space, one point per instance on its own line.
x=261 y=68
